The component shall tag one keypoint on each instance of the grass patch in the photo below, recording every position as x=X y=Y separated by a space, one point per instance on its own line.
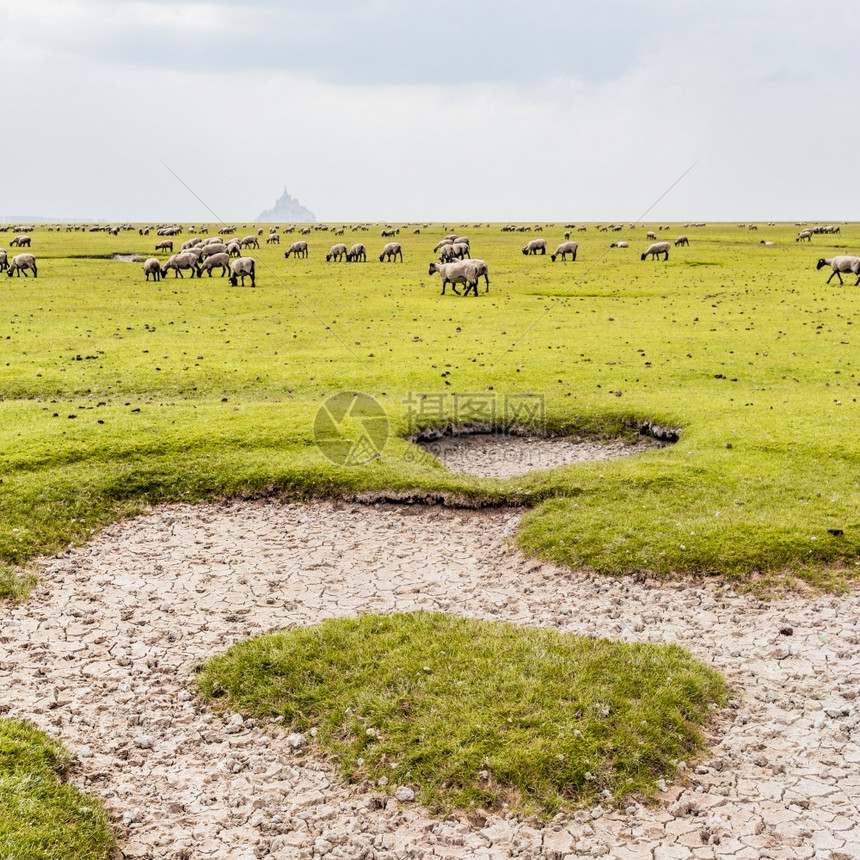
x=15 y=586
x=41 y=817
x=474 y=713
x=120 y=393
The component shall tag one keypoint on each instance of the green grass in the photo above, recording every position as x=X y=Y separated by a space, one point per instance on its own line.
x=41 y=817
x=188 y=390
x=473 y=713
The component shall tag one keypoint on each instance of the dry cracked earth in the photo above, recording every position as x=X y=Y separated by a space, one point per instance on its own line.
x=103 y=657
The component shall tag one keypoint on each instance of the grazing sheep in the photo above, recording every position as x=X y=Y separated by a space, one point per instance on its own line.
x=300 y=249
x=166 y=245
x=534 y=246
x=337 y=252
x=152 y=266
x=244 y=266
x=564 y=249
x=20 y=263
x=273 y=237
x=4 y=262
x=233 y=249
x=212 y=248
x=357 y=253
x=621 y=244
x=839 y=264
x=211 y=262
x=305 y=231
x=443 y=242
x=21 y=241
x=566 y=235
x=682 y=240
x=461 y=272
x=177 y=262
x=446 y=253
x=390 y=232
x=804 y=235
x=650 y=235
x=460 y=250
x=656 y=249
x=765 y=242
x=190 y=243
x=390 y=252
x=249 y=242
x=213 y=240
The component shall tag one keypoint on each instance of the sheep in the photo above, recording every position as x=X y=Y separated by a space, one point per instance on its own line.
x=337 y=252
x=534 y=246
x=656 y=249
x=765 y=242
x=566 y=235
x=461 y=272
x=481 y=271
x=841 y=264
x=214 y=240
x=249 y=242
x=211 y=262
x=305 y=231
x=651 y=235
x=460 y=250
x=166 y=245
x=564 y=249
x=804 y=235
x=190 y=243
x=443 y=242
x=682 y=240
x=233 y=249
x=273 y=237
x=388 y=232
x=241 y=268
x=357 y=252
x=300 y=249
x=4 y=262
x=21 y=241
x=20 y=263
x=181 y=261
x=446 y=253
x=152 y=266
x=621 y=244
x=212 y=248
x=462 y=240
x=390 y=252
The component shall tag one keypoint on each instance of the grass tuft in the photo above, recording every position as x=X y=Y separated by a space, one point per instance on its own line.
x=41 y=817
x=476 y=713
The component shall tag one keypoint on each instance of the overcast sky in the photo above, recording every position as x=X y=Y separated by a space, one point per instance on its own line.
x=475 y=110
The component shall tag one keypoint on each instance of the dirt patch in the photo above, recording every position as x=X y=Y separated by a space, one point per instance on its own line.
x=491 y=455
x=103 y=657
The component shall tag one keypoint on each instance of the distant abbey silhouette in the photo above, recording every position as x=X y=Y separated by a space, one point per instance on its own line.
x=287 y=208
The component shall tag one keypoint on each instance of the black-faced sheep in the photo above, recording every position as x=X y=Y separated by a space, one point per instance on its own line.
x=621 y=244
x=650 y=235
x=337 y=252
x=215 y=260
x=682 y=240
x=460 y=272
x=249 y=242
x=390 y=252
x=166 y=245
x=20 y=263
x=357 y=253
x=839 y=265
x=21 y=241
x=4 y=262
x=482 y=270
x=300 y=249
x=212 y=248
x=273 y=238
x=534 y=246
x=656 y=249
x=152 y=267
x=242 y=268
x=804 y=235
x=563 y=250
x=178 y=262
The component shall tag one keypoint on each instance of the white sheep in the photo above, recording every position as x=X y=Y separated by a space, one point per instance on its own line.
x=300 y=249
x=273 y=237
x=460 y=272
x=651 y=235
x=337 y=252
x=21 y=241
x=357 y=253
x=656 y=249
x=166 y=245
x=211 y=248
x=841 y=264
x=443 y=242
x=152 y=266
x=178 y=262
x=234 y=249
x=534 y=246
x=682 y=240
x=4 y=262
x=213 y=260
x=20 y=263
x=390 y=252
x=482 y=270
x=804 y=235
x=563 y=250
x=244 y=266
x=249 y=242
x=621 y=244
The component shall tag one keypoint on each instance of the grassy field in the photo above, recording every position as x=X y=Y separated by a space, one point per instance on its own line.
x=118 y=393
x=476 y=713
